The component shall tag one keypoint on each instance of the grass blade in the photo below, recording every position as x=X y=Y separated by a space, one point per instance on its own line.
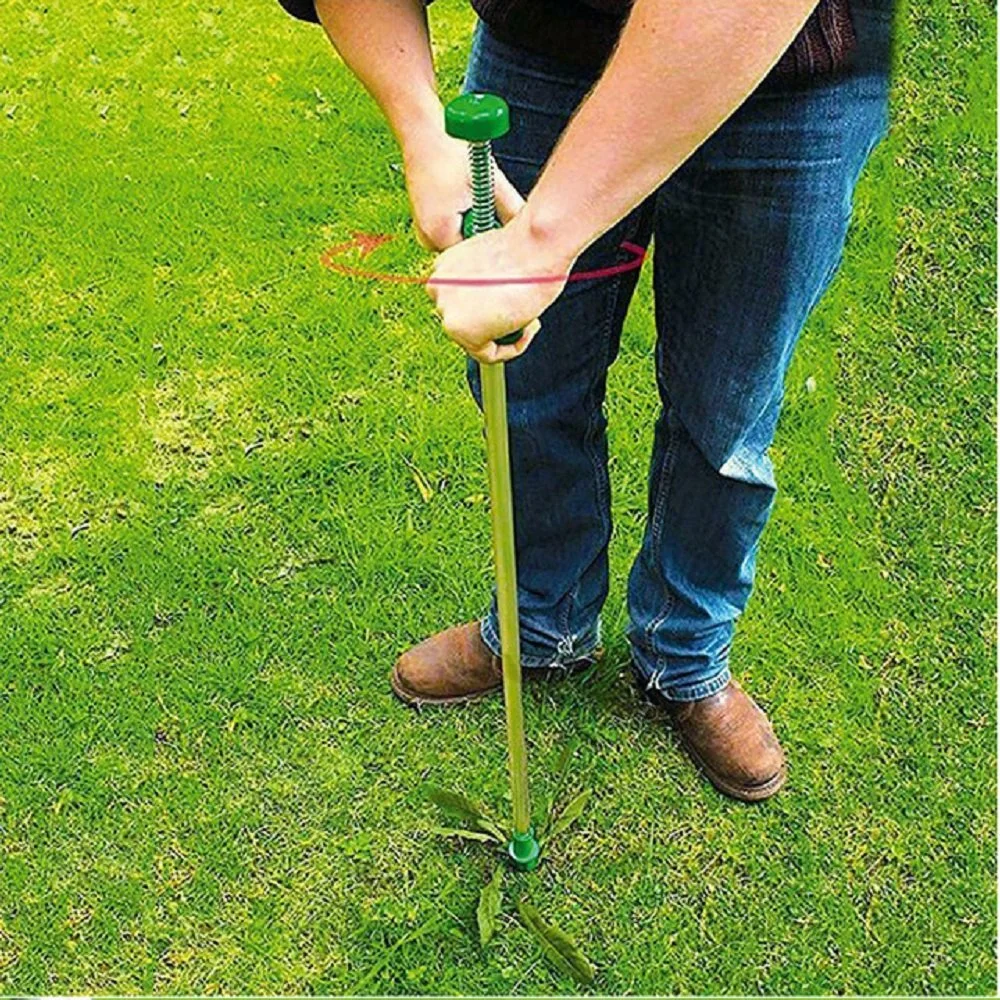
x=559 y=948
x=569 y=815
x=488 y=911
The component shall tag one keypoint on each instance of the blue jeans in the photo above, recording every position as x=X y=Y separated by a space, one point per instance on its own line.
x=748 y=233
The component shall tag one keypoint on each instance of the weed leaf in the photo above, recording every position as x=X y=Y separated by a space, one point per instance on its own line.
x=461 y=806
x=559 y=948
x=570 y=814
x=488 y=911
x=489 y=826
x=559 y=771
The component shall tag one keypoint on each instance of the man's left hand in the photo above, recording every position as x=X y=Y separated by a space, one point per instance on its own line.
x=475 y=315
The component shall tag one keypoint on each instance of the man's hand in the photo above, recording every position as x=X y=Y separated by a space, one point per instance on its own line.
x=437 y=181
x=474 y=316
x=388 y=47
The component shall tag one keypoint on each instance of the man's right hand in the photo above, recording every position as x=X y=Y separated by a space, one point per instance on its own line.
x=440 y=190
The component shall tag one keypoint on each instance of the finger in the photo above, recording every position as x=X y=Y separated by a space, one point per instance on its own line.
x=508 y=199
x=511 y=351
x=508 y=352
x=446 y=232
x=487 y=354
x=530 y=332
x=527 y=336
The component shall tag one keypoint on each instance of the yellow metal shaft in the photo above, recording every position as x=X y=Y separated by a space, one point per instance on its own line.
x=502 y=518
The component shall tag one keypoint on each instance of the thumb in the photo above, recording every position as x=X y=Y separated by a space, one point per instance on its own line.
x=508 y=199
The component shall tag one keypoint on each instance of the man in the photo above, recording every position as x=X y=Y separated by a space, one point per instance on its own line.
x=732 y=131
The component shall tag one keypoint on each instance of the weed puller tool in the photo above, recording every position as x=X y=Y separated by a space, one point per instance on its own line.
x=478 y=119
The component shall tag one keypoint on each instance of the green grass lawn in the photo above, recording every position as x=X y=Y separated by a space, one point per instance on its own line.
x=233 y=486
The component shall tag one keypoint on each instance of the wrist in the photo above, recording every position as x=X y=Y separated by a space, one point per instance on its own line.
x=420 y=129
x=545 y=237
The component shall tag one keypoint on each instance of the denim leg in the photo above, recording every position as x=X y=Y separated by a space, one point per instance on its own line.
x=748 y=234
x=555 y=391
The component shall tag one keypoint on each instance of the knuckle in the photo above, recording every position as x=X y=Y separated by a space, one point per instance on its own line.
x=443 y=234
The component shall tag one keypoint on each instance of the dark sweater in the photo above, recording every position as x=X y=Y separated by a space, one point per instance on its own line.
x=583 y=32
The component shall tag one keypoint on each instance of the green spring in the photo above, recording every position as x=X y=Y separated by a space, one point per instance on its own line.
x=481 y=169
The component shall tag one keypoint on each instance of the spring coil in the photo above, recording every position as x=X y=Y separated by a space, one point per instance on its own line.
x=481 y=169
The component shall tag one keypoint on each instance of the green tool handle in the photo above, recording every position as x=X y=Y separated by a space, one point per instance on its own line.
x=478 y=118
x=482 y=218
x=523 y=848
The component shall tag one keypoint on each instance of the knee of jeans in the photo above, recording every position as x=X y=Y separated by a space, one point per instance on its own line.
x=739 y=458
x=750 y=466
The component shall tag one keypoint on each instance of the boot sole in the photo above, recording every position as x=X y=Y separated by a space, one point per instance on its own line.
x=412 y=700
x=416 y=700
x=743 y=793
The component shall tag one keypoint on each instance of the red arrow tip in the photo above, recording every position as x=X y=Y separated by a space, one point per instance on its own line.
x=366 y=242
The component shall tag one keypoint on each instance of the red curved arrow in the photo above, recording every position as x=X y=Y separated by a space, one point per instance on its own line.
x=364 y=243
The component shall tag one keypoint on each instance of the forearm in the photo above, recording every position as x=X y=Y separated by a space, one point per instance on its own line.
x=679 y=71
x=387 y=46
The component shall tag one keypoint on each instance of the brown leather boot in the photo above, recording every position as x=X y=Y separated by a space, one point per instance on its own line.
x=730 y=739
x=455 y=666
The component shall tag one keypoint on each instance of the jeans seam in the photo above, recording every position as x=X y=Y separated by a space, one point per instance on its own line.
x=564 y=649
x=664 y=481
x=565 y=653
x=603 y=488
x=593 y=425
x=567 y=613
